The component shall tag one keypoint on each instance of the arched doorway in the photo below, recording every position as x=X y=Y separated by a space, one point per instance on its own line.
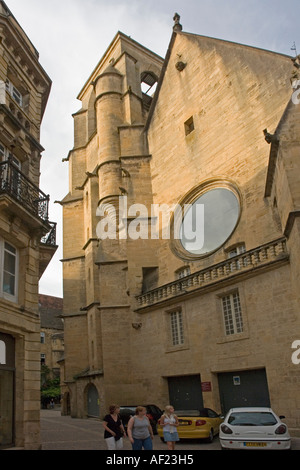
x=66 y=404
x=93 y=409
x=7 y=373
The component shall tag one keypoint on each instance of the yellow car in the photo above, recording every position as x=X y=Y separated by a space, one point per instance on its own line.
x=196 y=424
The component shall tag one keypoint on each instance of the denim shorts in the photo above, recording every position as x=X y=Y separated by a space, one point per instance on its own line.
x=140 y=444
x=171 y=436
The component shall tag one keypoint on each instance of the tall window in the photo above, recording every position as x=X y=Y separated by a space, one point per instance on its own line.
x=14 y=174
x=5 y=154
x=232 y=313
x=8 y=271
x=14 y=92
x=177 y=327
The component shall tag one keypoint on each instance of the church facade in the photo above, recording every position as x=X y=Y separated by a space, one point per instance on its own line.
x=182 y=232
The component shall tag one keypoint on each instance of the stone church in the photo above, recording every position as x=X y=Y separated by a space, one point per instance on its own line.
x=197 y=305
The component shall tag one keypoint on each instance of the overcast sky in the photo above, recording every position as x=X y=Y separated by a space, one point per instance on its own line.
x=72 y=35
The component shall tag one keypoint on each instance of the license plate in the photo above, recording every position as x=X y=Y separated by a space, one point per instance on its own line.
x=183 y=423
x=255 y=444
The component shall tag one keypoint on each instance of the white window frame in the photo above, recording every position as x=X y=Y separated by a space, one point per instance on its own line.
x=3 y=250
x=5 y=154
x=43 y=337
x=177 y=327
x=232 y=314
x=14 y=92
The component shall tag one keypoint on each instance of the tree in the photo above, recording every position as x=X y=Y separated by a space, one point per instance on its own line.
x=50 y=388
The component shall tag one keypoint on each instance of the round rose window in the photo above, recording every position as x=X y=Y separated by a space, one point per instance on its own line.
x=209 y=220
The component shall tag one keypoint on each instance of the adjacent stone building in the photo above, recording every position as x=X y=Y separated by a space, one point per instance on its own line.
x=27 y=237
x=208 y=313
x=52 y=333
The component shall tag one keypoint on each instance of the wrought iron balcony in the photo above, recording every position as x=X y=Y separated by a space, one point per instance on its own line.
x=50 y=238
x=15 y=184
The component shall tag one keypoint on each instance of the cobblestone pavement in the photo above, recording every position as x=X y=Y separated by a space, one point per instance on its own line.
x=65 y=433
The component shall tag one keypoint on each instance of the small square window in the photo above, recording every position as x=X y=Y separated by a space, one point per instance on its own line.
x=183 y=272
x=189 y=126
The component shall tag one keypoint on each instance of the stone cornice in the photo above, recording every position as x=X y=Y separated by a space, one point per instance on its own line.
x=5 y=110
x=24 y=55
x=27 y=56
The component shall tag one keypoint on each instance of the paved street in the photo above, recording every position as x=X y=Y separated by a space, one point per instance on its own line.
x=64 y=433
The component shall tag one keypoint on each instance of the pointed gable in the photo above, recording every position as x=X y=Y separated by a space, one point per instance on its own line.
x=232 y=92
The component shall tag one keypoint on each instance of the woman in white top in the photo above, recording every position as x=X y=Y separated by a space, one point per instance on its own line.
x=169 y=421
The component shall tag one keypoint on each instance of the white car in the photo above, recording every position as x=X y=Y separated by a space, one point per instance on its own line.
x=254 y=428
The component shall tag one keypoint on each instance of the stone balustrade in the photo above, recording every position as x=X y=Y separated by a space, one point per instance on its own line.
x=247 y=261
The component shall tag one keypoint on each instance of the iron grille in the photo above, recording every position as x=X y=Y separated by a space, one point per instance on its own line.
x=14 y=183
x=50 y=237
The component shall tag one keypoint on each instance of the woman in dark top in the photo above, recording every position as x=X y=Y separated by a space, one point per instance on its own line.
x=114 y=429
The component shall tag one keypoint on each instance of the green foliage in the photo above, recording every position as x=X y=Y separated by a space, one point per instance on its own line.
x=50 y=388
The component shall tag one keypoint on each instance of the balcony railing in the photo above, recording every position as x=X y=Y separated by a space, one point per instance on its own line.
x=245 y=262
x=50 y=238
x=14 y=183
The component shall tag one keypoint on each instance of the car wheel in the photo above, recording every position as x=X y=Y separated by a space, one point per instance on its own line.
x=211 y=436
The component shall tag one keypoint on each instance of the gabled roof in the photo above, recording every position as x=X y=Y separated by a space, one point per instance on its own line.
x=199 y=38
x=161 y=78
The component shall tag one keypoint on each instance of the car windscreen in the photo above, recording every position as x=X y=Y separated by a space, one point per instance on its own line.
x=253 y=418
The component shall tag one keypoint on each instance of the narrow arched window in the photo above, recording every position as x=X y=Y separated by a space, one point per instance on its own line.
x=148 y=86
